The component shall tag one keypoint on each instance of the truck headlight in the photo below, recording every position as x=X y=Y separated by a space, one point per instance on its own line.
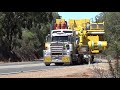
x=67 y=46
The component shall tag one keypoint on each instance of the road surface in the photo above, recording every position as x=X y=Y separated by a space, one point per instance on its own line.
x=12 y=68
x=18 y=67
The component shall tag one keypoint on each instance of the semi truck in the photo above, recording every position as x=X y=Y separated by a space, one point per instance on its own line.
x=74 y=42
x=61 y=48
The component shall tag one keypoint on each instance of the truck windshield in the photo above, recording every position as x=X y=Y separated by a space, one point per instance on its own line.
x=60 y=38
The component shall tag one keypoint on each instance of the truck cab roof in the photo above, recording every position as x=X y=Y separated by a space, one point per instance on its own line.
x=62 y=32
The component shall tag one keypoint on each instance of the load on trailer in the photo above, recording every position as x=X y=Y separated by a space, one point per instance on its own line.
x=90 y=38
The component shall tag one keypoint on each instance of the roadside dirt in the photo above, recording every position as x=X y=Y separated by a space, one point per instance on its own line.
x=80 y=71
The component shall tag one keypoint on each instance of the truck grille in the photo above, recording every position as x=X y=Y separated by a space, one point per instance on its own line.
x=56 y=53
x=56 y=49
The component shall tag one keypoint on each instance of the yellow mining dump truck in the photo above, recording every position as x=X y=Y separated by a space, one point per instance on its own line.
x=89 y=39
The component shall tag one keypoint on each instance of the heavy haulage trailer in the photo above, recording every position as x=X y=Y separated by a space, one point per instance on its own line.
x=74 y=42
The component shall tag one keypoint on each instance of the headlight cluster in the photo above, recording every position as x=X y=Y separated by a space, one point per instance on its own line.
x=66 y=47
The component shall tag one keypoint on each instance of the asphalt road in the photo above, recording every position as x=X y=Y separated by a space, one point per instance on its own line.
x=13 y=68
x=19 y=67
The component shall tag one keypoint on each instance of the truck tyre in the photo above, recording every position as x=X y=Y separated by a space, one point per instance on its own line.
x=80 y=59
x=91 y=60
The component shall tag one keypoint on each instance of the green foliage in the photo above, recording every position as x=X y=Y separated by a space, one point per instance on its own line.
x=23 y=33
x=27 y=35
x=112 y=29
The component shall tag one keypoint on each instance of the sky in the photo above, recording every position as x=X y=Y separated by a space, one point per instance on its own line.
x=78 y=15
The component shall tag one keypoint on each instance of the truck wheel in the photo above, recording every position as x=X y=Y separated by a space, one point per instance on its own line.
x=92 y=59
x=80 y=59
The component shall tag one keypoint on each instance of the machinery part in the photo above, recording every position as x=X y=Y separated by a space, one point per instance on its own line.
x=95 y=33
x=98 y=45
